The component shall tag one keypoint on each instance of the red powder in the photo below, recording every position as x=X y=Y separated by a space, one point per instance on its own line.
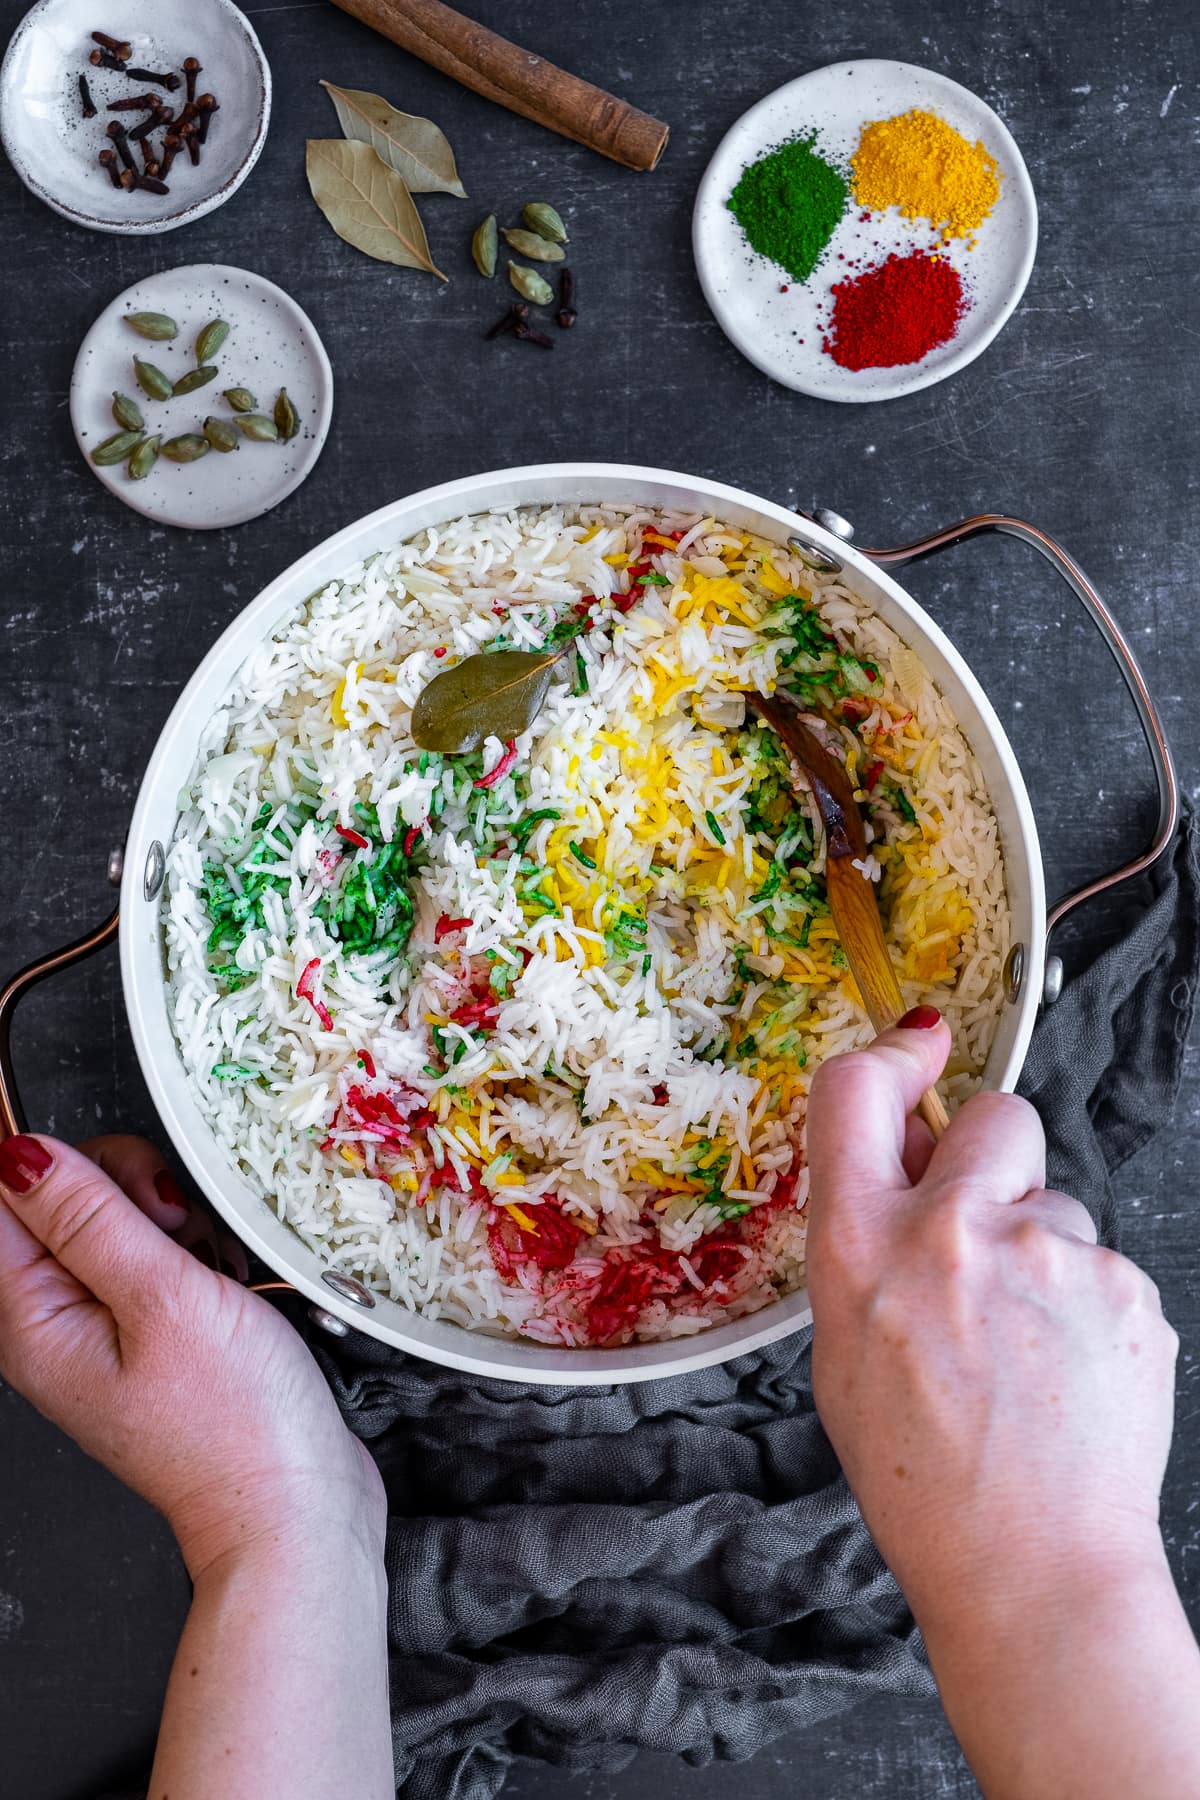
x=552 y=1246
x=624 y=1289
x=895 y=313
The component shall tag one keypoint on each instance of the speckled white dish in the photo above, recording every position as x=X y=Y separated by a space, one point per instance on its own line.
x=782 y=332
x=54 y=149
x=272 y=343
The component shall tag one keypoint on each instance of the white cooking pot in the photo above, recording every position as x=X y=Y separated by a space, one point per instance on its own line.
x=1030 y=978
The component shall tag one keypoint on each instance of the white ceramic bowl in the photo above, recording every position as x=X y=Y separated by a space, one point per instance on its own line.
x=779 y=323
x=54 y=149
x=272 y=343
x=171 y=767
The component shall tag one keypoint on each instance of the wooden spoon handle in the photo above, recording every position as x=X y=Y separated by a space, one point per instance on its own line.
x=852 y=897
x=933 y=1112
x=856 y=915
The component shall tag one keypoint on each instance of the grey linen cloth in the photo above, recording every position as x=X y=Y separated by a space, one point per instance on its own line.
x=679 y=1565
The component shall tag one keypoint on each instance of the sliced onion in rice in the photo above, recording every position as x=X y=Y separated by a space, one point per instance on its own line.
x=720 y=711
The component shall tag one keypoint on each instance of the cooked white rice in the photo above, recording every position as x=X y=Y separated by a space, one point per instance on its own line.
x=608 y=1142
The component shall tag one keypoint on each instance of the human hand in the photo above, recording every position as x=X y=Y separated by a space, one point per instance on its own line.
x=998 y=1388
x=196 y=1393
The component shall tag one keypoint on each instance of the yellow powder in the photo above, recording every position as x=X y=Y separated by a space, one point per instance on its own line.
x=922 y=165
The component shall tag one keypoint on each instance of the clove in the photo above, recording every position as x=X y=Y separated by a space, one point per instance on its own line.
x=529 y=336
x=191 y=138
x=172 y=144
x=516 y=315
x=119 y=49
x=109 y=159
x=120 y=138
x=149 y=160
x=207 y=106
x=104 y=59
x=137 y=103
x=168 y=79
x=150 y=123
x=567 y=314
x=191 y=68
x=151 y=183
x=85 y=95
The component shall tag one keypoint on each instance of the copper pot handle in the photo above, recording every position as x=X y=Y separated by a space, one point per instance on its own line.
x=12 y=1114
x=1114 y=638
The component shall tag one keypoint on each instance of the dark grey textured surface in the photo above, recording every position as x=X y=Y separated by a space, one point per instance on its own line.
x=1078 y=417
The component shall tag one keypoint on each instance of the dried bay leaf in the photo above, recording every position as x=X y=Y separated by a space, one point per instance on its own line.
x=497 y=694
x=416 y=148
x=367 y=203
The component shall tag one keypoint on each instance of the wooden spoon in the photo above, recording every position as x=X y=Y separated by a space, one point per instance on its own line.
x=851 y=893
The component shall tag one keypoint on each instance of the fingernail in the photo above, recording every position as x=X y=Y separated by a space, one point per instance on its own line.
x=171 y=1194
x=920 y=1018
x=204 y=1252
x=23 y=1163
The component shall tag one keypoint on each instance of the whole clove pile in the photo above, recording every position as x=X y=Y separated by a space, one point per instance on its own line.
x=187 y=128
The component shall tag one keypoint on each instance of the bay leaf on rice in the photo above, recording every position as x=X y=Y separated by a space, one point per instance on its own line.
x=498 y=695
x=416 y=148
x=367 y=203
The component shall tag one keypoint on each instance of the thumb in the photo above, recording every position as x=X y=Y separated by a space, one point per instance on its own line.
x=83 y=1219
x=859 y=1107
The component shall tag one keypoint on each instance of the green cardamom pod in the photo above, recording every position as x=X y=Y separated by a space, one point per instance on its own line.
x=188 y=447
x=484 y=246
x=287 y=420
x=545 y=221
x=127 y=412
x=241 y=399
x=540 y=249
x=530 y=285
x=152 y=325
x=116 y=448
x=144 y=459
x=258 y=427
x=152 y=381
x=210 y=340
x=222 y=435
x=195 y=378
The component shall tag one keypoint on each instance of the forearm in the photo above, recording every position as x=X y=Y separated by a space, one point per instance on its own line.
x=1086 y=1688
x=280 y=1680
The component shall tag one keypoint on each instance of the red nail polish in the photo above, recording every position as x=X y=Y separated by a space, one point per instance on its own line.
x=23 y=1163
x=170 y=1193
x=920 y=1018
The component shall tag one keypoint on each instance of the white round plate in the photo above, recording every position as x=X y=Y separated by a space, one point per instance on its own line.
x=55 y=150
x=782 y=331
x=272 y=343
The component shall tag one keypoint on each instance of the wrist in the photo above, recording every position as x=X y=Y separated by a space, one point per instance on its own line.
x=996 y=1600
x=1080 y=1677
x=284 y=1519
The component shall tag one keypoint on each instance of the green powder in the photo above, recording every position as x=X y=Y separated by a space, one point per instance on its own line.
x=788 y=204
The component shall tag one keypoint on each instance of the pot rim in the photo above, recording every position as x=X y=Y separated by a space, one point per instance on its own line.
x=143 y=978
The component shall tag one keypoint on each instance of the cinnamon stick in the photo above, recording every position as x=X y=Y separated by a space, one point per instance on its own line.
x=516 y=78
